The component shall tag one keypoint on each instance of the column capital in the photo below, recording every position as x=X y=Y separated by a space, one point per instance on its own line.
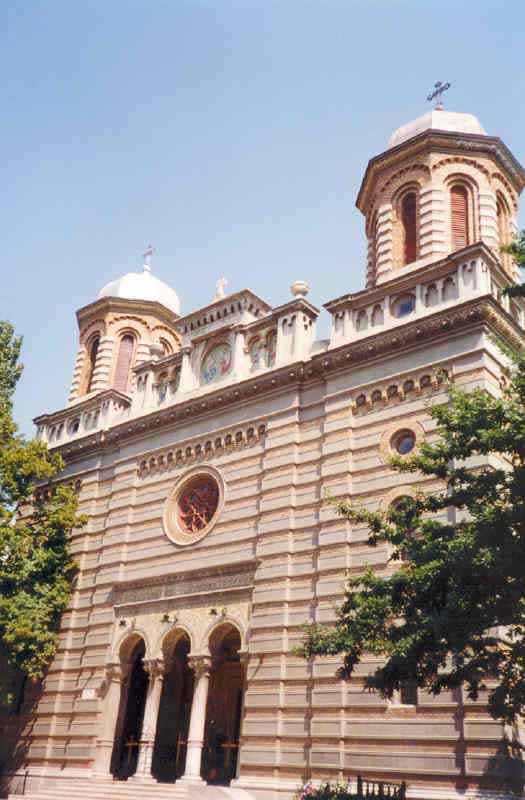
x=200 y=664
x=155 y=667
x=114 y=672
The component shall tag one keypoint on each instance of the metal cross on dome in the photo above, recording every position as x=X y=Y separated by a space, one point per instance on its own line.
x=146 y=255
x=436 y=94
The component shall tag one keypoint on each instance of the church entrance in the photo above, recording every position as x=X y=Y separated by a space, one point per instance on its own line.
x=224 y=709
x=133 y=701
x=169 y=754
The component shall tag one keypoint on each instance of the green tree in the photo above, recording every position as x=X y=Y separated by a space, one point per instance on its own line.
x=451 y=610
x=516 y=249
x=36 y=566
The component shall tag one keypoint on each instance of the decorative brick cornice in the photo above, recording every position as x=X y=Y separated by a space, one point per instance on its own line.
x=441 y=141
x=94 y=400
x=126 y=306
x=478 y=311
x=483 y=310
x=191 y=451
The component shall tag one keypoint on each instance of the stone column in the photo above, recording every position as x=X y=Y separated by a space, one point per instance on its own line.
x=187 y=381
x=239 y=356
x=155 y=670
x=201 y=665
x=115 y=680
x=244 y=657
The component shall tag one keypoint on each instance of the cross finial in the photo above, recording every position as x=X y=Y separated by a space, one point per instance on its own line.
x=439 y=88
x=220 y=288
x=146 y=255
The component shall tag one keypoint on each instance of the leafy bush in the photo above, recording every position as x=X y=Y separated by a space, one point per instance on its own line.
x=326 y=791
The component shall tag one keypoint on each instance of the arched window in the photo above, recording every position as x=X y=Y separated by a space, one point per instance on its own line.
x=125 y=354
x=503 y=221
x=432 y=295
x=459 y=217
x=449 y=289
x=93 y=350
x=362 y=321
x=166 y=347
x=373 y=247
x=377 y=315
x=271 y=348
x=403 y=305
x=409 y=221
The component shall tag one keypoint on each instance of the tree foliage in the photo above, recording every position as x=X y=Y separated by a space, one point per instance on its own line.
x=516 y=249
x=450 y=610
x=36 y=566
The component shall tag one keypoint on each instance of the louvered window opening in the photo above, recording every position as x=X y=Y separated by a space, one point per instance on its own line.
x=125 y=354
x=91 y=366
x=409 y=219
x=459 y=217
x=502 y=224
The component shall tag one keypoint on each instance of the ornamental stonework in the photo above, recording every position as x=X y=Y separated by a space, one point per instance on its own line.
x=194 y=505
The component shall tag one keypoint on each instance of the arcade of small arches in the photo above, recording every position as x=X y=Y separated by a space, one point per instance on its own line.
x=171 y=713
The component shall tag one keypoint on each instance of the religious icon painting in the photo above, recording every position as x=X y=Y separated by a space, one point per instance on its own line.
x=217 y=363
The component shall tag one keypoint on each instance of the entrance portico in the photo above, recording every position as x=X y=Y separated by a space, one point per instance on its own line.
x=179 y=715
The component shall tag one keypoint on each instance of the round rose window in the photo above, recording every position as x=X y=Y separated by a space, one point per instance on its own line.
x=193 y=506
x=198 y=503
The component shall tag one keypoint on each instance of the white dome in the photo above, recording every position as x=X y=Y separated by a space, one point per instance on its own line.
x=142 y=286
x=438 y=120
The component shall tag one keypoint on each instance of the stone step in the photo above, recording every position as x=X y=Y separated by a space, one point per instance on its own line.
x=114 y=790
x=128 y=790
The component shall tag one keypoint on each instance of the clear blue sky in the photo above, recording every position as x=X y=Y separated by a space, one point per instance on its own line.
x=231 y=135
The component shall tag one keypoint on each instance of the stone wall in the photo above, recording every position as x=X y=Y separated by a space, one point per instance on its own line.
x=291 y=552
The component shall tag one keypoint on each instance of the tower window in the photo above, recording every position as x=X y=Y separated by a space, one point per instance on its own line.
x=93 y=350
x=409 y=221
x=502 y=223
x=125 y=354
x=459 y=217
x=504 y=233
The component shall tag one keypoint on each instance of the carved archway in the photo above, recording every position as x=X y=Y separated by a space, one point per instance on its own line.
x=169 y=754
x=132 y=704
x=224 y=708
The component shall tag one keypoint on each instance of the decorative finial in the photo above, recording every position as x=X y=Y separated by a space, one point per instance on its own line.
x=146 y=255
x=220 y=288
x=300 y=288
x=439 y=88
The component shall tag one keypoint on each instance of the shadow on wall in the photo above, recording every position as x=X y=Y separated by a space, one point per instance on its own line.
x=505 y=770
x=17 y=719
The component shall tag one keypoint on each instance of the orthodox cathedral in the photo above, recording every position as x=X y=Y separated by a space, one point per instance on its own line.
x=203 y=445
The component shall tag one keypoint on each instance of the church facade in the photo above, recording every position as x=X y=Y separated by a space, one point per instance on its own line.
x=203 y=447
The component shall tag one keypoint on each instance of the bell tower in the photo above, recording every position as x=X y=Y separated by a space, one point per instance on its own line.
x=441 y=185
x=131 y=322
